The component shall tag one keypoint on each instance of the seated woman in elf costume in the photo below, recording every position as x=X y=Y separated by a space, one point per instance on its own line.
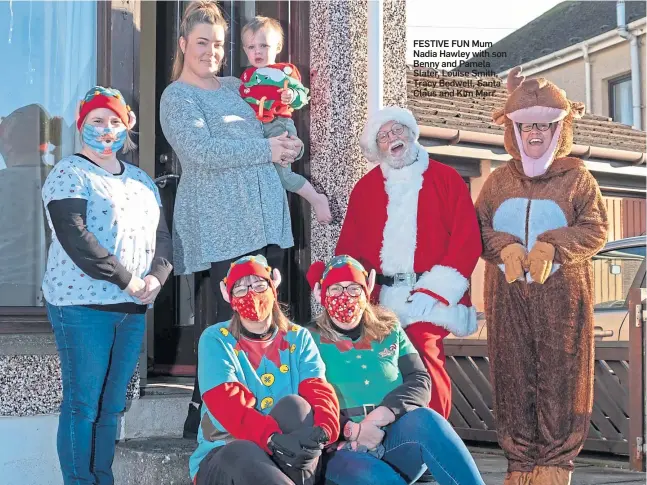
x=268 y=408
x=389 y=436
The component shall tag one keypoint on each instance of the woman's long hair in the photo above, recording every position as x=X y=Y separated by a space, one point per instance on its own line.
x=201 y=12
x=377 y=323
x=278 y=319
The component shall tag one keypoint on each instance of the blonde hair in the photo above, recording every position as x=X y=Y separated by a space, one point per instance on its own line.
x=129 y=144
x=200 y=12
x=259 y=22
x=377 y=323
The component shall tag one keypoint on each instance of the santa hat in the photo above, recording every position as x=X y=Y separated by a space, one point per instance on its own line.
x=100 y=97
x=247 y=266
x=340 y=268
x=368 y=140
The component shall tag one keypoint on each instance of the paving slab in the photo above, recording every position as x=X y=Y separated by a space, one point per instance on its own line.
x=493 y=467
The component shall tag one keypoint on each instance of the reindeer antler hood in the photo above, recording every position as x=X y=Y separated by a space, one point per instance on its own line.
x=537 y=101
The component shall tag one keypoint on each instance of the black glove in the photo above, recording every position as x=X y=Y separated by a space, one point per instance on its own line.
x=299 y=449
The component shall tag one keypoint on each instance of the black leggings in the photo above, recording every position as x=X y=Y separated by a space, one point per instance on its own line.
x=274 y=255
x=242 y=462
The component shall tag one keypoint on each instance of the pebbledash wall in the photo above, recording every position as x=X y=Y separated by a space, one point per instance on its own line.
x=338 y=109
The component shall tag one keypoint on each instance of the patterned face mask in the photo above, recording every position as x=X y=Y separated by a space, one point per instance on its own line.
x=254 y=306
x=344 y=308
x=104 y=141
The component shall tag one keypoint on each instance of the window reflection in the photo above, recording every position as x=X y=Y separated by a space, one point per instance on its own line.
x=49 y=53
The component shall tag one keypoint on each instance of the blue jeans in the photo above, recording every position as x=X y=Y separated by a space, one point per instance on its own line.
x=419 y=440
x=98 y=351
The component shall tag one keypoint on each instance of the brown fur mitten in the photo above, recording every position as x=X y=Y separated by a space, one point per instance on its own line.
x=540 y=261
x=513 y=257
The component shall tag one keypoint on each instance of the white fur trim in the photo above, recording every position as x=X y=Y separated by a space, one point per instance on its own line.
x=400 y=231
x=368 y=140
x=460 y=320
x=446 y=282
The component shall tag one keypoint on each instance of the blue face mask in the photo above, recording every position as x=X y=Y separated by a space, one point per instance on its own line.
x=104 y=141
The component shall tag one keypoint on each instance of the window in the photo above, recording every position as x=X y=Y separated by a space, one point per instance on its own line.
x=620 y=104
x=48 y=52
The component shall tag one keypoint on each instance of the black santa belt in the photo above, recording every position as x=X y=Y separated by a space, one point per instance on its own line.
x=398 y=279
x=358 y=411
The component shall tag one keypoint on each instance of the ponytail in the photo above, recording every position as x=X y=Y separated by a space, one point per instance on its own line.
x=200 y=12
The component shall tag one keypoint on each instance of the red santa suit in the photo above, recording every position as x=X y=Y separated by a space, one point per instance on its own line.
x=418 y=225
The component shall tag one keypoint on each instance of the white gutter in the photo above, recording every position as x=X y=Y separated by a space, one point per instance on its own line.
x=568 y=54
x=375 y=57
x=635 y=64
x=587 y=78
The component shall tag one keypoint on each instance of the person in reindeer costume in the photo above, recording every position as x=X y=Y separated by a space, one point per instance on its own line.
x=412 y=220
x=542 y=219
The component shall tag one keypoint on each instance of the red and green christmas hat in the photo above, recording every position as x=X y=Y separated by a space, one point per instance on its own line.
x=247 y=266
x=340 y=268
x=100 y=97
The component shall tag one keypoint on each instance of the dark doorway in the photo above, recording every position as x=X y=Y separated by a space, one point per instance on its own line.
x=188 y=306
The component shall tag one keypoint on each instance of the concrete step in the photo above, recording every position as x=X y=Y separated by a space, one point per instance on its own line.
x=153 y=461
x=158 y=413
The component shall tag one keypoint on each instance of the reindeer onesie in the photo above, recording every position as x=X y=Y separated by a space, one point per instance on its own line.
x=540 y=326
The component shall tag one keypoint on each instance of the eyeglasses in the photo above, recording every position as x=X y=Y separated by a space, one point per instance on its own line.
x=257 y=286
x=383 y=136
x=526 y=127
x=353 y=289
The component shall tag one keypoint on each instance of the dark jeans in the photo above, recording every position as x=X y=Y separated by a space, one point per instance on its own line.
x=419 y=440
x=98 y=352
x=274 y=255
x=242 y=462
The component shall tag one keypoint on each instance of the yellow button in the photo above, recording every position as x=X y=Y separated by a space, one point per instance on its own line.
x=267 y=379
x=268 y=402
x=284 y=368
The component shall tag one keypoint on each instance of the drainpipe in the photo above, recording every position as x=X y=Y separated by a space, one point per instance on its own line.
x=587 y=77
x=375 y=56
x=635 y=64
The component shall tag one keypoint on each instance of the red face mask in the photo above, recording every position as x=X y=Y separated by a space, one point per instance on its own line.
x=344 y=308
x=254 y=306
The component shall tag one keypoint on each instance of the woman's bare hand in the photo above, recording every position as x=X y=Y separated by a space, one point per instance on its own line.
x=283 y=149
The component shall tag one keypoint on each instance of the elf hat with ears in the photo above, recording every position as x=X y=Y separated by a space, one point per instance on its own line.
x=100 y=97
x=340 y=268
x=247 y=266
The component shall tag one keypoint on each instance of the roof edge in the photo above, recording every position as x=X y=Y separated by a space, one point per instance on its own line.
x=455 y=136
x=534 y=66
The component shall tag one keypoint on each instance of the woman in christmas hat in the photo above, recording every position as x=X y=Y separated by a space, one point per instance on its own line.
x=109 y=257
x=388 y=435
x=266 y=400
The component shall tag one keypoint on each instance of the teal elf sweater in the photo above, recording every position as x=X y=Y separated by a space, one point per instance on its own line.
x=242 y=379
x=388 y=373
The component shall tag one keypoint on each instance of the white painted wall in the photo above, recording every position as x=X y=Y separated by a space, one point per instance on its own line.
x=28 y=451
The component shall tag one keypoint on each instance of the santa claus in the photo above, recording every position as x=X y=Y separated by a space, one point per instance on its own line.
x=412 y=220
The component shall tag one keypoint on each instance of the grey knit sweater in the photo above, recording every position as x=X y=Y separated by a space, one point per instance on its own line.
x=230 y=200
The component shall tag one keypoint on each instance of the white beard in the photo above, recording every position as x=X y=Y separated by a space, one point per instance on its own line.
x=407 y=158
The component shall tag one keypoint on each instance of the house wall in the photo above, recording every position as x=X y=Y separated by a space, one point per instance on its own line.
x=338 y=108
x=606 y=65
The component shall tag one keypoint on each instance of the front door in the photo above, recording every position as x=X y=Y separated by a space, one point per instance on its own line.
x=188 y=303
